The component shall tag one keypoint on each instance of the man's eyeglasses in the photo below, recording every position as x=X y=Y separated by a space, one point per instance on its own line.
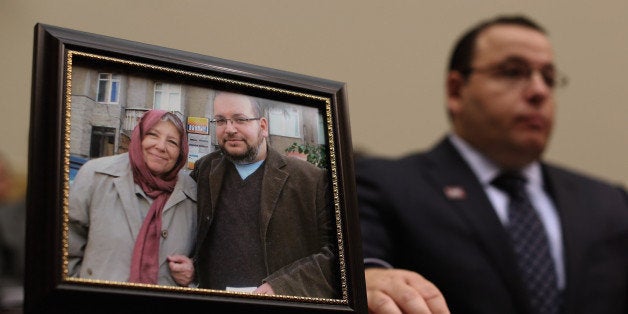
x=234 y=121
x=519 y=73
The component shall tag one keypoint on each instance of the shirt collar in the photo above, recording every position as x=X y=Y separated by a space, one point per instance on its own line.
x=486 y=170
x=246 y=170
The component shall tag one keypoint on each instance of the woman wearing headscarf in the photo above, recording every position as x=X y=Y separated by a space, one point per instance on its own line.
x=132 y=216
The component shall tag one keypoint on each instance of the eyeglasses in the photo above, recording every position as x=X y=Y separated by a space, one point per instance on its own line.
x=234 y=121
x=519 y=74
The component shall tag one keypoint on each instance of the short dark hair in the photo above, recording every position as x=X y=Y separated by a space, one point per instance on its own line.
x=462 y=54
x=255 y=104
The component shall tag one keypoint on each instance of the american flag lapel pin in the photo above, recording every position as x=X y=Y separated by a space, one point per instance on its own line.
x=455 y=192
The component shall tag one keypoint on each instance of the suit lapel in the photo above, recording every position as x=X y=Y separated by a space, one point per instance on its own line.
x=176 y=197
x=574 y=229
x=212 y=177
x=464 y=192
x=216 y=176
x=126 y=191
x=272 y=185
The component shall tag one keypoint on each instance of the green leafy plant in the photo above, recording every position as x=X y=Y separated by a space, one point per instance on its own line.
x=316 y=154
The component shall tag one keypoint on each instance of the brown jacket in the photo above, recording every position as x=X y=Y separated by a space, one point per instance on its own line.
x=296 y=224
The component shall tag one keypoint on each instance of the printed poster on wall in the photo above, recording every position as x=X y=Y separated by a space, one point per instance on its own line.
x=198 y=139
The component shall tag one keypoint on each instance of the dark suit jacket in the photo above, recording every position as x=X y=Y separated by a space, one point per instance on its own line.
x=296 y=221
x=459 y=244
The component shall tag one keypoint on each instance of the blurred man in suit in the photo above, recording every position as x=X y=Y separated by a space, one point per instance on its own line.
x=480 y=223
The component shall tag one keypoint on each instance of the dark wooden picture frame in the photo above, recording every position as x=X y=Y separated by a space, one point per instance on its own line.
x=57 y=53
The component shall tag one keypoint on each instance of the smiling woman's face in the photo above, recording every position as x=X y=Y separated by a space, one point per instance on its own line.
x=161 y=147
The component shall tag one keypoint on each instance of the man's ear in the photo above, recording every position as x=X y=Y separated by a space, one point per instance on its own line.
x=455 y=81
x=454 y=84
x=264 y=126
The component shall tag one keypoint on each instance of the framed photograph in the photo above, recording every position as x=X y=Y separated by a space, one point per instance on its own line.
x=261 y=203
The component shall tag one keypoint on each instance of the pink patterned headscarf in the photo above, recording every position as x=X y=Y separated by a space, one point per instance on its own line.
x=145 y=260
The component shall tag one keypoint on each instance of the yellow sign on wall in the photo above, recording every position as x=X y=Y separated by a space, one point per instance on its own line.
x=198 y=125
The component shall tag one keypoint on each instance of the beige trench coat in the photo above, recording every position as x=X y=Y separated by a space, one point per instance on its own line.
x=105 y=216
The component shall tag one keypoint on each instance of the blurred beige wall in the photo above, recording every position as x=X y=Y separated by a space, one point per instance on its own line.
x=391 y=54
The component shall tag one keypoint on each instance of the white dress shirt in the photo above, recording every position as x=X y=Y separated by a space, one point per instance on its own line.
x=486 y=170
